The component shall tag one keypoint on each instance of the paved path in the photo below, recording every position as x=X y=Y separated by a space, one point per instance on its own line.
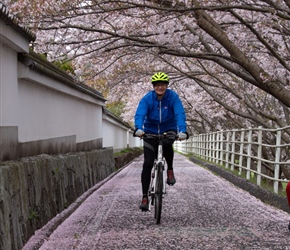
x=201 y=211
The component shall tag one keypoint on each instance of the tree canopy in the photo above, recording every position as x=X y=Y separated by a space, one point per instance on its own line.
x=228 y=60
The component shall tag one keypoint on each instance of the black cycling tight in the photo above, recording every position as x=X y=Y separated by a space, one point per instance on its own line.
x=150 y=153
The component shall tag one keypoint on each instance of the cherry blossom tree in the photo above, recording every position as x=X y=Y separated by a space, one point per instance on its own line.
x=229 y=59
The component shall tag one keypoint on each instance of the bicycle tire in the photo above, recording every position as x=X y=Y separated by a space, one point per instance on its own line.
x=152 y=196
x=151 y=189
x=158 y=193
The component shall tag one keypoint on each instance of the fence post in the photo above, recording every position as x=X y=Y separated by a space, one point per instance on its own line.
x=206 y=146
x=194 y=145
x=233 y=150
x=259 y=156
x=277 y=161
x=199 y=149
x=216 y=147
x=221 y=148
x=249 y=152
x=210 y=147
x=200 y=145
x=227 y=149
x=241 y=151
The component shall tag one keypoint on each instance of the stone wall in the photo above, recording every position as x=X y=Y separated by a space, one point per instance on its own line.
x=34 y=190
x=124 y=158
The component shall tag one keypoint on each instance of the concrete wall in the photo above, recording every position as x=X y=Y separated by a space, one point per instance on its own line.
x=35 y=189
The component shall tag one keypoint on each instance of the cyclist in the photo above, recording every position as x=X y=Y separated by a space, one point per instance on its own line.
x=159 y=111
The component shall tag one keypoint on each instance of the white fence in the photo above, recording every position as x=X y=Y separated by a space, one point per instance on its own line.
x=258 y=151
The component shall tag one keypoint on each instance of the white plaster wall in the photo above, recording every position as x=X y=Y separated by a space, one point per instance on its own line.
x=118 y=136
x=46 y=113
x=134 y=141
x=114 y=135
x=11 y=42
x=8 y=86
x=44 y=108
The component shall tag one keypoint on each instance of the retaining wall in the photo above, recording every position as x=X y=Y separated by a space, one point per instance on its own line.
x=34 y=190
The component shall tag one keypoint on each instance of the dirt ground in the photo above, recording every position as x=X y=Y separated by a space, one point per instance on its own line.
x=201 y=211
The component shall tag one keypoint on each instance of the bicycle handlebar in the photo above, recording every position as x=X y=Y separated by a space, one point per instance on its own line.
x=159 y=136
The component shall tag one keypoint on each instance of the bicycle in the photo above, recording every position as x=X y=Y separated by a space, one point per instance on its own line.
x=157 y=186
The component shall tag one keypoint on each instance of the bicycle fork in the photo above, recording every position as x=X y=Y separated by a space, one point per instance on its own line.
x=160 y=159
x=152 y=189
x=153 y=183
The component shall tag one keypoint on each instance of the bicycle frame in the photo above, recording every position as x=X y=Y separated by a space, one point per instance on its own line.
x=160 y=159
x=155 y=192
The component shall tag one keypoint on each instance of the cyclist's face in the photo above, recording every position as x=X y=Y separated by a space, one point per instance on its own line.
x=160 y=88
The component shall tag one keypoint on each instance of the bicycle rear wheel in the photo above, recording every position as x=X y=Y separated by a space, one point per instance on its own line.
x=158 y=193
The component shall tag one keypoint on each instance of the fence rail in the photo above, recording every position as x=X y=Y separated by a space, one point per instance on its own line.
x=261 y=153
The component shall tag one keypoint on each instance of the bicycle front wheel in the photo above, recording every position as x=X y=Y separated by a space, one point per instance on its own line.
x=158 y=193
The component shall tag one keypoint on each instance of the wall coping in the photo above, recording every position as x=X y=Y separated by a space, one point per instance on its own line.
x=13 y=22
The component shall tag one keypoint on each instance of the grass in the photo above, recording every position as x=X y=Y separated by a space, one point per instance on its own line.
x=126 y=150
x=253 y=178
x=33 y=215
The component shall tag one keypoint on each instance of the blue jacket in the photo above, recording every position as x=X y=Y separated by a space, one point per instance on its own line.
x=157 y=116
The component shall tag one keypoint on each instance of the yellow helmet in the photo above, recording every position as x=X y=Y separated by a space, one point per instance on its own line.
x=160 y=77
